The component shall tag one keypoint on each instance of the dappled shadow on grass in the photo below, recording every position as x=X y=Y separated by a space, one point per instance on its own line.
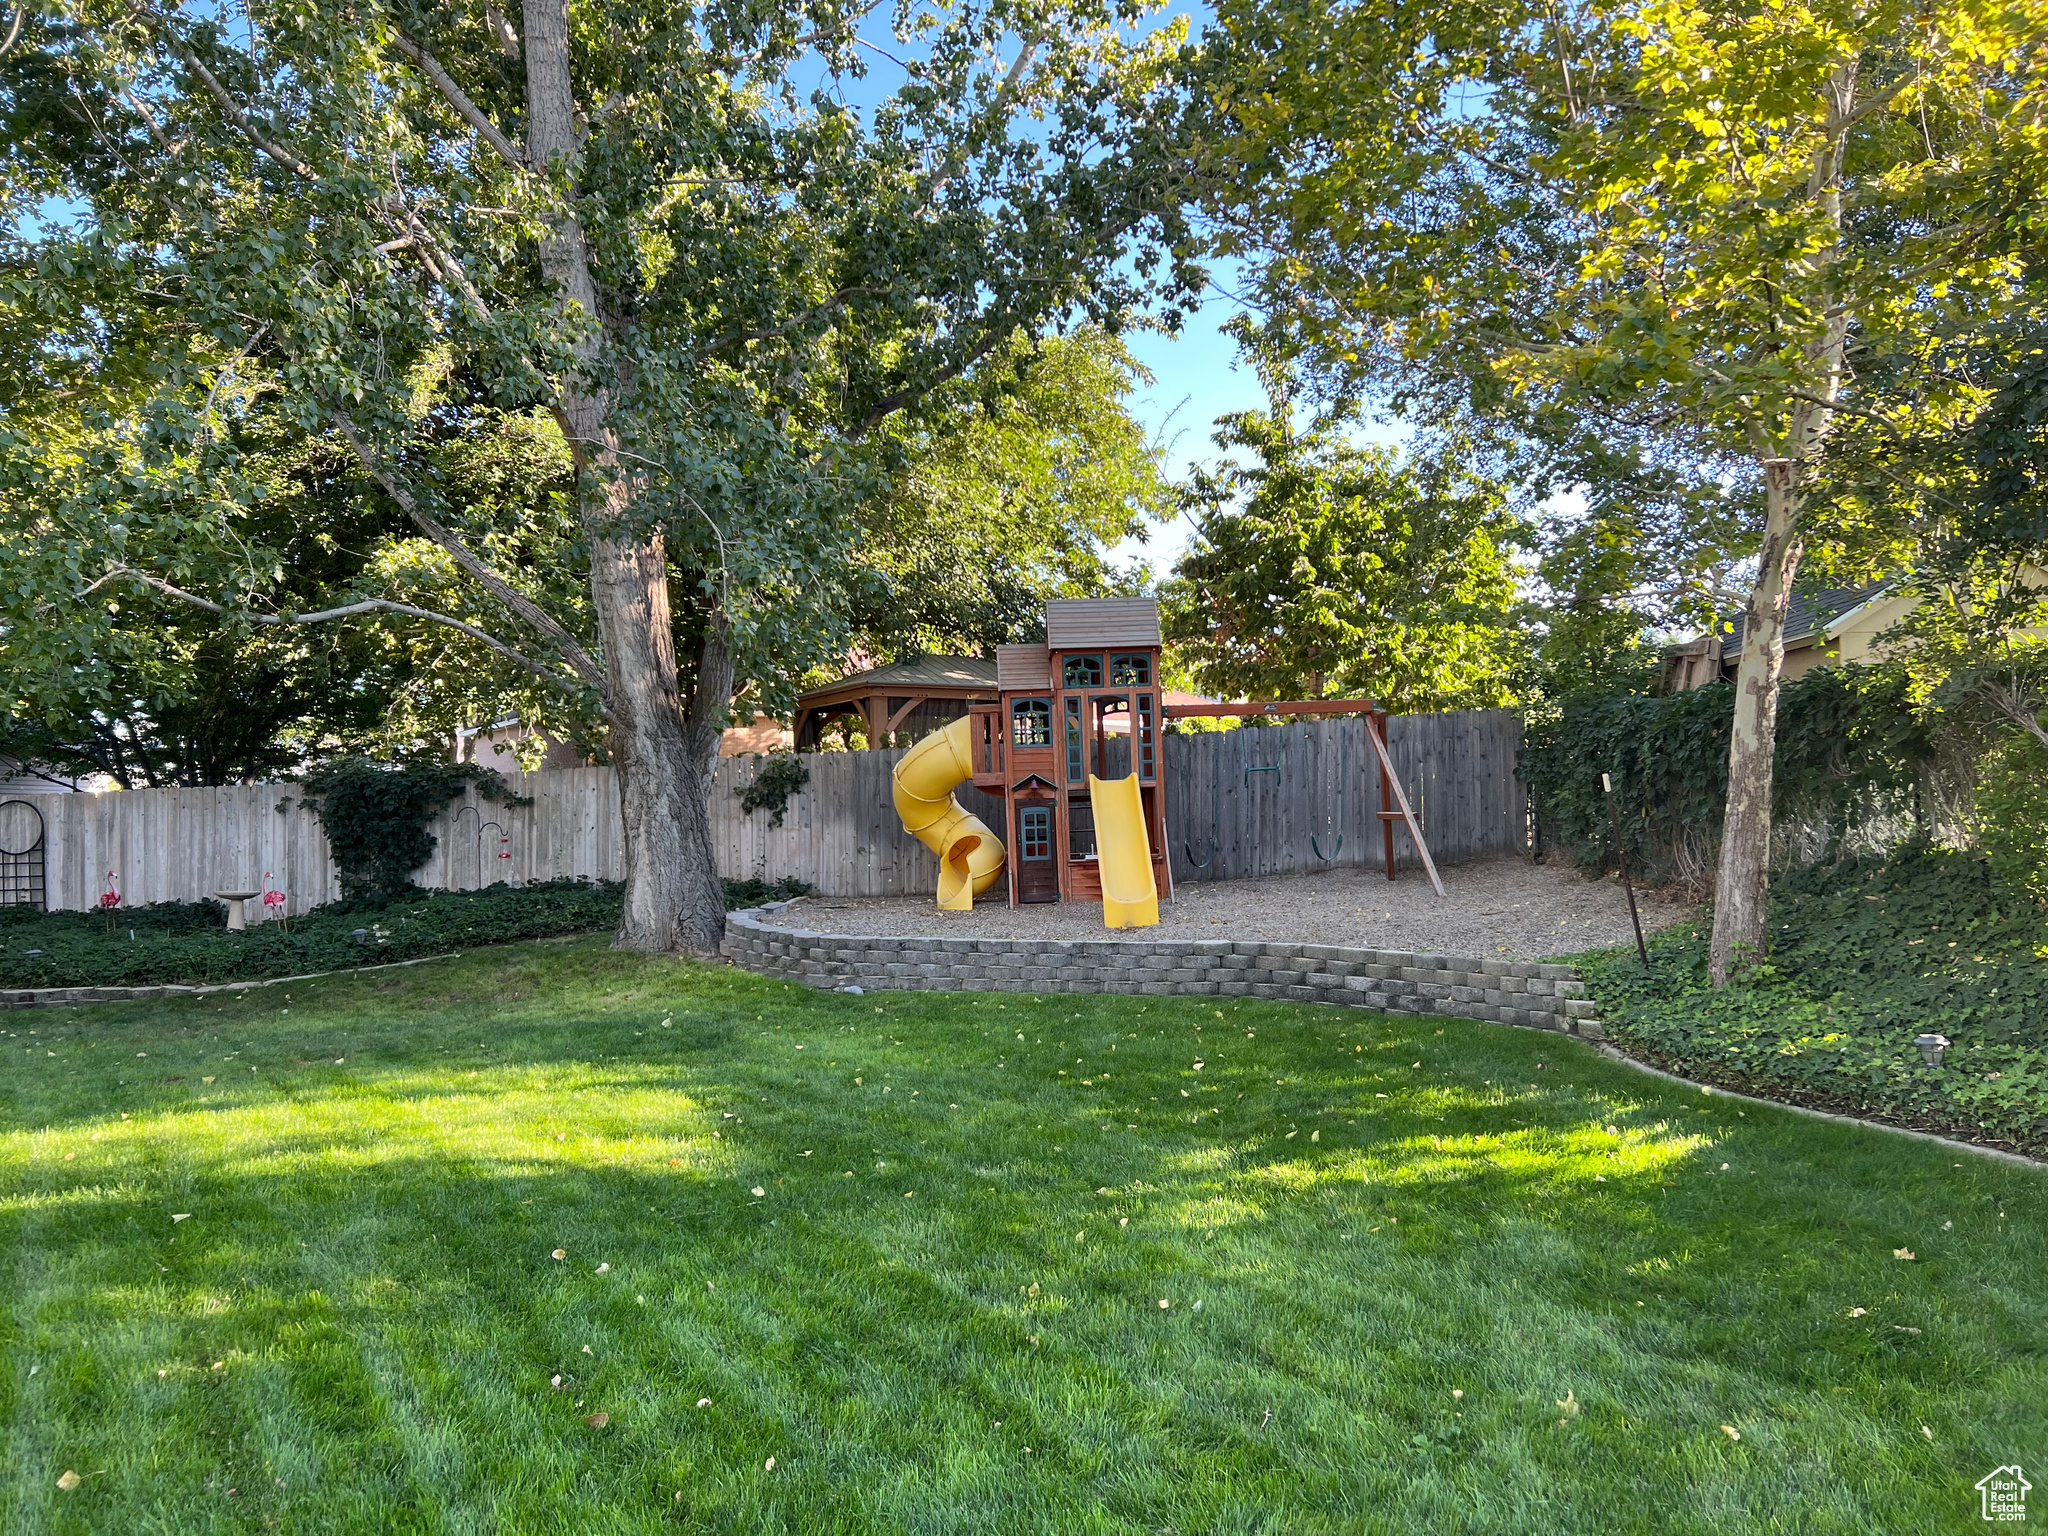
x=968 y=1263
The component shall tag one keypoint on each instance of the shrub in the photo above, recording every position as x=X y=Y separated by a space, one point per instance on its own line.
x=1850 y=749
x=2012 y=813
x=782 y=774
x=376 y=814
x=188 y=942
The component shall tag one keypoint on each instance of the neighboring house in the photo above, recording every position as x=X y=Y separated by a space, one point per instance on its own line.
x=1822 y=626
x=499 y=744
x=23 y=778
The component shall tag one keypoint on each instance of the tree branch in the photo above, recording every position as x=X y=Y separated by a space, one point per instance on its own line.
x=459 y=99
x=999 y=103
x=278 y=152
x=348 y=610
x=521 y=605
x=889 y=404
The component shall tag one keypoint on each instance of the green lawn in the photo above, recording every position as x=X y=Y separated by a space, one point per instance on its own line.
x=915 y=1248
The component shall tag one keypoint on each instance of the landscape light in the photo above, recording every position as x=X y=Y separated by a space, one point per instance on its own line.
x=1931 y=1047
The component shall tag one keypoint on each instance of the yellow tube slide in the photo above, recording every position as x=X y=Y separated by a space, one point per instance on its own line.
x=1124 y=856
x=970 y=856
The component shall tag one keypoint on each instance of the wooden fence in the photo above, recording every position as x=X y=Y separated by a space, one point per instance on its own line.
x=1281 y=799
x=1260 y=794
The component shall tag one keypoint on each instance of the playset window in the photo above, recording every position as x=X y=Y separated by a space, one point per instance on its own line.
x=1077 y=764
x=1146 y=758
x=1082 y=672
x=1131 y=671
x=1034 y=828
x=1031 y=723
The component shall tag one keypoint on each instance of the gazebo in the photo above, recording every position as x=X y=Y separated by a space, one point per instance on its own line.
x=906 y=698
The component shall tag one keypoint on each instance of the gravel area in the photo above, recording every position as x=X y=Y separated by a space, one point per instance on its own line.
x=1506 y=909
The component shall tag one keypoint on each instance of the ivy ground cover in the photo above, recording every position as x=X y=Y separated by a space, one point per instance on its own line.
x=1865 y=956
x=548 y=1238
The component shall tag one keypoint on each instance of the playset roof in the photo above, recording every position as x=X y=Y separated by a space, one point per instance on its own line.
x=1073 y=624
x=1023 y=667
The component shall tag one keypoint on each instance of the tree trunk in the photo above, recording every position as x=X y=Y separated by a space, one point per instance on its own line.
x=703 y=894
x=1744 y=879
x=665 y=760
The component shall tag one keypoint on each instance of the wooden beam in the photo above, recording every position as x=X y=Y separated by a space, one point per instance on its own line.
x=1282 y=707
x=1401 y=799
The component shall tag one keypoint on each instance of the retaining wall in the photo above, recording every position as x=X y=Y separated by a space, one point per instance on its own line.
x=1532 y=995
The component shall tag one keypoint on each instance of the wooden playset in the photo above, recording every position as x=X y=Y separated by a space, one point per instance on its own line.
x=1071 y=748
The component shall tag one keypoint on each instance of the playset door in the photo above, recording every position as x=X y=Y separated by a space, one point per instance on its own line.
x=1038 y=872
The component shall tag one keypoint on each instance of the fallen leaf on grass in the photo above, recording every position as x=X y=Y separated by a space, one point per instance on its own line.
x=181 y=1216
x=1731 y=1431
x=206 y=1079
x=759 y=1191
x=703 y=1402
x=768 y=1465
x=69 y=1480
x=604 y=1269
x=1859 y=1312
x=559 y=1254
x=597 y=1420
x=1902 y=1328
x=1902 y=1253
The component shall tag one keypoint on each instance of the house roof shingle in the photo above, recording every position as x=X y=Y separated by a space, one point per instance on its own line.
x=1810 y=613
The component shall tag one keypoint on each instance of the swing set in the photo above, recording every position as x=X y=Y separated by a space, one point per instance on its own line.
x=1391 y=791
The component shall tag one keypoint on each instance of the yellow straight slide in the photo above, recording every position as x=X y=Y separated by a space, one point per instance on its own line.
x=970 y=856
x=1124 y=857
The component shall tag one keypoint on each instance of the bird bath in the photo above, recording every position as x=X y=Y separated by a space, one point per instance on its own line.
x=236 y=921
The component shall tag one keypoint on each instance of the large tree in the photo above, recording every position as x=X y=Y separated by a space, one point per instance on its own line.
x=705 y=241
x=1689 y=225
x=1015 y=498
x=1323 y=567
x=157 y=691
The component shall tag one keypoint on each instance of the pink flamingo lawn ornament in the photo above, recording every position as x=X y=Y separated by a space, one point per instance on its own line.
x=110 y=898
x=273 y=900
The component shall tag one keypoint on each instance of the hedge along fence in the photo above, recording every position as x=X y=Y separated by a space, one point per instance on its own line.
x=1276 y=787
x=1854 y=763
